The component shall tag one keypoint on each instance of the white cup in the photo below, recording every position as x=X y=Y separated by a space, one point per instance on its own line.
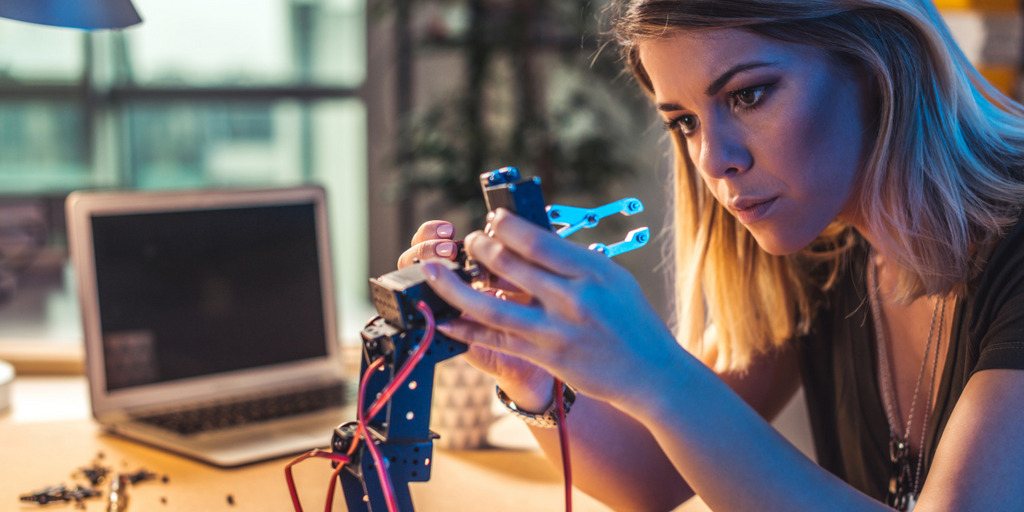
x=462 y=409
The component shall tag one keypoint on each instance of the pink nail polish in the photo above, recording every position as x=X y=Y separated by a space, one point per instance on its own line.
x=444 y=231
x=446 y=249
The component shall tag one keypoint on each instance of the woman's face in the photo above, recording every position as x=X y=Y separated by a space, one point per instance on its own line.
x=777 y=130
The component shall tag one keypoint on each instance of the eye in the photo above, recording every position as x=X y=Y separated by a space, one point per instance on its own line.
x=685 y=123
x=748 y=97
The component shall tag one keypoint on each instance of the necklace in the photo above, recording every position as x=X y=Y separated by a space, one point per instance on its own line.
x=903 y=491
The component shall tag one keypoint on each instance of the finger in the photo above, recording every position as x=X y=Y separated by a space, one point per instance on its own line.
x=503 y=262
x=539 y=245
x=483 y=340
x=508 y=323
x=433 y=230
x=429 y=249
x=478 y=355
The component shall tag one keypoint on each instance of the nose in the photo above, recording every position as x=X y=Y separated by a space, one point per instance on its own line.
x=723 y=151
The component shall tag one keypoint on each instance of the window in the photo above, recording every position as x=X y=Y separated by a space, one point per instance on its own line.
x=202 y=94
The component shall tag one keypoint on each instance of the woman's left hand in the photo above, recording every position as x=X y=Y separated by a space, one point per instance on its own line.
x=588 y=324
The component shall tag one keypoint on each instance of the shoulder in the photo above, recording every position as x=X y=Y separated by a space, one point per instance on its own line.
x=1006 y=257
x=994 y=304
x=1003 y=271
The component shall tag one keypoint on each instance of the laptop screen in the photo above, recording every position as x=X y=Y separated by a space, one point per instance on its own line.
x=192 y=293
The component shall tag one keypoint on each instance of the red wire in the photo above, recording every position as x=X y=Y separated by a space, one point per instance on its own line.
x=361 y=428
x=341 y=459
x=407 y=368
x=385 y=396
x=363 y=432
x=563 y=438
x=361 y=418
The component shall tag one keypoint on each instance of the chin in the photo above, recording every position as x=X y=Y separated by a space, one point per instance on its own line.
x=780 y=244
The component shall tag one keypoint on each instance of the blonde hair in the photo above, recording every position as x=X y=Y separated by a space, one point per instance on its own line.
x=943 y=179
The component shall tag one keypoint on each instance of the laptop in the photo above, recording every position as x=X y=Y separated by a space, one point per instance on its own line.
x=209 y=319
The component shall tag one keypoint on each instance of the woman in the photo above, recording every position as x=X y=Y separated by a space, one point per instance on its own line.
x=848 y=199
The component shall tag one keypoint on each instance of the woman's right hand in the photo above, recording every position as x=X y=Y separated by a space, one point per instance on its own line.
x=527 y=384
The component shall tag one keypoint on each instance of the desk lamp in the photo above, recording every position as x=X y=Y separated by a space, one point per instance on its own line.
x=84 y=14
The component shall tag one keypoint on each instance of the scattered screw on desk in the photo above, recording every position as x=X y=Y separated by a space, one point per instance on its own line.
x=61 y=493
x=231 y=500
x=95 y=474
x=117 y=496
x=141 y=476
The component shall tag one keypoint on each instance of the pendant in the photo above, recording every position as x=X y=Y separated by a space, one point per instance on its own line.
x=901 y=486
x=911 y=503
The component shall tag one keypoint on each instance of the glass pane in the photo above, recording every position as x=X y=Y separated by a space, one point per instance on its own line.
x=189 y=145
x=338 y=43
x=339 y=164
x=35 y=53
x=242 y=42
x=37 y=296
x=42 y=146
x=202 y=145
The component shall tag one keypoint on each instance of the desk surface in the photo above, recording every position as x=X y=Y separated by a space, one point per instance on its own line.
x=48 y=435
x=43 y=454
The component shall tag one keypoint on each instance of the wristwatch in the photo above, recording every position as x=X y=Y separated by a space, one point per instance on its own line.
x=546 y=419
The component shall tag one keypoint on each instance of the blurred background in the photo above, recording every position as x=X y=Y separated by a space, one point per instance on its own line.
x=394 y=106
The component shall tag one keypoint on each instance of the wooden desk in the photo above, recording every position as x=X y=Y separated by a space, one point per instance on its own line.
x=48 y=434
x=42 y=454
x=37 y=454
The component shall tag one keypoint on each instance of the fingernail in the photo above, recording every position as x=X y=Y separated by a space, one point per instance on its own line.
x=430 y=270
x=446 y=249
x=444 y=231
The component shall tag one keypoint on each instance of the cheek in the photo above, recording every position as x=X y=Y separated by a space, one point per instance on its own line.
x=826 y=145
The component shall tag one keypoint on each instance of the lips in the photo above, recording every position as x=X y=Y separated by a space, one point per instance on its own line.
x=750 y=209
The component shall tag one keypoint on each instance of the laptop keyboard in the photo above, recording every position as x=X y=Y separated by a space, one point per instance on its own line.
x=214 y=417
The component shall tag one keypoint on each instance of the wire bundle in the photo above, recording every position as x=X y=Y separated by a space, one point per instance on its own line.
x=363 y=415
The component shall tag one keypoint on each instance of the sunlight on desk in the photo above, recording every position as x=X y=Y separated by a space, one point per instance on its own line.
x=48 y=435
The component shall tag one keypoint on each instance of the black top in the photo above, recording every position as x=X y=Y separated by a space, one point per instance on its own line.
x=840 y=371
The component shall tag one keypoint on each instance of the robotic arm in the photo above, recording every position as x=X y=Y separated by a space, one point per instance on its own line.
x=400 y=349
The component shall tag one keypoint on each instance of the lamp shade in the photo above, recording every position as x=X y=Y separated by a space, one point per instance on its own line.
x=87 y=14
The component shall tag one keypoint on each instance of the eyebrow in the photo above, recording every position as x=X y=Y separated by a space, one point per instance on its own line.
x=718 y=83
